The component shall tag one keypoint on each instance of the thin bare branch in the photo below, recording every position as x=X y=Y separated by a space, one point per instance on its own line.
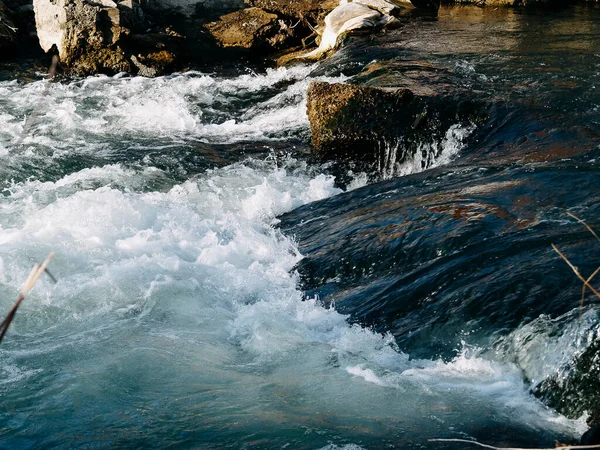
x=9 y=317
x=576 y=271
x=585 y=225
x=466 y=441
x=34 y=275
x=590 y=278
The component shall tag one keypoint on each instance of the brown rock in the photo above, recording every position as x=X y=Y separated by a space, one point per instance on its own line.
x=311 y=10
x=154 y=64
x=351 y=121
x=251 y=28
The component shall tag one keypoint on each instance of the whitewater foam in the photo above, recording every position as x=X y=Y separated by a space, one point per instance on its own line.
x=182 y=301
x=191 y=105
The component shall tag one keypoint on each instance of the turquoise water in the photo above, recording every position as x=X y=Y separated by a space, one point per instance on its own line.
x=189 y=313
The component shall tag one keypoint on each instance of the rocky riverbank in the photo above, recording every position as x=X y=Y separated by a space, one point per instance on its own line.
x=161 y=36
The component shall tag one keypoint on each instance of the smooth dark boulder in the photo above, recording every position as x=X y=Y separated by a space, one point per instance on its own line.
x=591 y=436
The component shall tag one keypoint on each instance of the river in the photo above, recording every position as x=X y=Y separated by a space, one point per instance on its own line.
x=219 y=288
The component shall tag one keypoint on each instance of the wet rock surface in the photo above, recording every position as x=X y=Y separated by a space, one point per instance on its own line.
x=575 y=389
x=350 y=119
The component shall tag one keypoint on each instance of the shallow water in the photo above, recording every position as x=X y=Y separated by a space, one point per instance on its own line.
x=190 y=313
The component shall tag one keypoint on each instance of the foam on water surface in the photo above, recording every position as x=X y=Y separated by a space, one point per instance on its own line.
x=177 y=318
x=188 y=293
x=190 y=105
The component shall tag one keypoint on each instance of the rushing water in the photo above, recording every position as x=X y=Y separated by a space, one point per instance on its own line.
x=189 y=313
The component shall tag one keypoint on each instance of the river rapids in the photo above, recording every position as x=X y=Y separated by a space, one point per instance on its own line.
x=218 y=288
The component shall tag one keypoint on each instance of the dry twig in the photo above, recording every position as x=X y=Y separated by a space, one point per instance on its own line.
x=466 y=441
x=597 y=270
x=586 y=282
x=35 y=274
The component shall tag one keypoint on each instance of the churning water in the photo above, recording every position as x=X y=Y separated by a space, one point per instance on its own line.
x=179 y=318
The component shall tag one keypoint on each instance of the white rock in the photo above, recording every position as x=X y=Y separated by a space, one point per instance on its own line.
x=351 y=16
x=51 y=23
x=383 y=6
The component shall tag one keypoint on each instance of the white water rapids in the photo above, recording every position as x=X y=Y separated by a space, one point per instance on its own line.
x=176 y=320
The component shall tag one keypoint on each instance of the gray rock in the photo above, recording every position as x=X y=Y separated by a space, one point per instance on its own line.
x=85 y=34
x=104 y=36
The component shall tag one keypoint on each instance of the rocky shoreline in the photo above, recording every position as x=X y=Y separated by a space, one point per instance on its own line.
x=162 y=36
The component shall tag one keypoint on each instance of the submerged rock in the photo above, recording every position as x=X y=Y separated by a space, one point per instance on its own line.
x=503 y=2
x=575 y=389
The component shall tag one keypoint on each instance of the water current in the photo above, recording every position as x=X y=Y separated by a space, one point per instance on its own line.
x=218 y=288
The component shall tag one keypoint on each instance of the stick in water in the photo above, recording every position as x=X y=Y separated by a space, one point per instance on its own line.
x=465 y=441
x=35 y=274
x=596 y=271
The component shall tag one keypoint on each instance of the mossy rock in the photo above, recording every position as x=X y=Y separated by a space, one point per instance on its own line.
x=352 y=121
